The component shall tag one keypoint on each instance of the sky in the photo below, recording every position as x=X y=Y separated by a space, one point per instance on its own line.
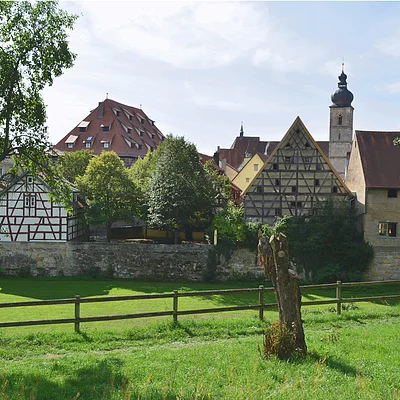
x=200 y=69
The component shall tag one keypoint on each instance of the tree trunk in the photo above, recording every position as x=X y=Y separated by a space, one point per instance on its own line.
x=108 y=225
x=274 y=258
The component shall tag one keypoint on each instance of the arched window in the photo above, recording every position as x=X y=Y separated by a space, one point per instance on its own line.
x=340 y=119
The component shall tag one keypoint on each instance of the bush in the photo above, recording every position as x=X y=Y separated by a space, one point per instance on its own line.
x=278 y=341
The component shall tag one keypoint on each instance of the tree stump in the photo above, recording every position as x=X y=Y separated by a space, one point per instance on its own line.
x=274 y=258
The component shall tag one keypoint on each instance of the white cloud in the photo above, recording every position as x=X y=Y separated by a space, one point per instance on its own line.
x=189 y=35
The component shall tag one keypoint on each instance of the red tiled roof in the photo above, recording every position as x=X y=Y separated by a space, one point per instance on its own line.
x=124 y=135
x=380 y=158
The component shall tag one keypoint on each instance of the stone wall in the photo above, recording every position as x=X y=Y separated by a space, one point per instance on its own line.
x=385 y=265
x=127 y=260
x=187 y=262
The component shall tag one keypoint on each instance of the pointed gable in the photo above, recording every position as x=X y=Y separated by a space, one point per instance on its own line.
x=295 y=179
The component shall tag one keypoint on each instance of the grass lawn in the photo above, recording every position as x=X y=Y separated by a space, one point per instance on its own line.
x=213 y=356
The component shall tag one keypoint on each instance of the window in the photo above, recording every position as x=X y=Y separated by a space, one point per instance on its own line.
x=294 y=204
x=255 y=167
x=318 y=167
x=33 y=200
x=340 y=120
x=129 y=130
x=117 y=113
x=70 y=145
x=392 y=192
x=141 y=134
x=106 y=128
x=247 y=180
x=30 y=179
x=306 y=160
x=278 y=211
x=259 y=189
x=140 y=147
x=87 y=144
x=316 y=182
x=388 y=229
x=294 y=189
x=287 y=159
x=339 y=136
x=277 y=182
x=82 y=129
x=275 y=166
x=130 y=117
x=26 y=201
x=334 y=189
x=106 y=145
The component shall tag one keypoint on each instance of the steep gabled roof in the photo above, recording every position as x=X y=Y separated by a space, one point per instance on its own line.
x=380 y=158
x=130 y=132
x=297 y=125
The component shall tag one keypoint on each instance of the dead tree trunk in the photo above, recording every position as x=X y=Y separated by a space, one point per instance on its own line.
x=274 y=258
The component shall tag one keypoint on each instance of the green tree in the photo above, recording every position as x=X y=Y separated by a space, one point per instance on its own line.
x=33 y=51
x=327 y=246
x=111 y=195
x=220 y=182
x=180 y=194
x=73 y=164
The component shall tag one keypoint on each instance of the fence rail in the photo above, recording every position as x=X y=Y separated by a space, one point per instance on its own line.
x=175 y=295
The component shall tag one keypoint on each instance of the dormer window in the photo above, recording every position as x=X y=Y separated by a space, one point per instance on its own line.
x=83 y=126
x=117 y=113
x=140 y=147
x=129 y=130
x=70 y=142
x=105 y=144
x=105 y=128
x=153 y=136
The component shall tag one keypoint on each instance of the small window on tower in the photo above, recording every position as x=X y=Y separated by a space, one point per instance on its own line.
x=340 y=120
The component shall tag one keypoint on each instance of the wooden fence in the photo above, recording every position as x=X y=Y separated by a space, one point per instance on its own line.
x=261 y=306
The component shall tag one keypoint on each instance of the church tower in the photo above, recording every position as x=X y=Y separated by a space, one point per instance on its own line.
x=341 y=126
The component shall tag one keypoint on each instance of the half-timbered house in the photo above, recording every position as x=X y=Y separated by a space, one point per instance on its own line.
x=295 y=180
x=28 y=214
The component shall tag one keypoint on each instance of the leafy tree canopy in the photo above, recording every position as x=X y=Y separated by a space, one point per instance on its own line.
x=73 y=164
x=220 y=182
x=110 y=193
x=327 y=246
x=33 y=51
x=180 y=192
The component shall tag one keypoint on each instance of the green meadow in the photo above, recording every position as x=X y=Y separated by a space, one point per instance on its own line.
x=209 y=356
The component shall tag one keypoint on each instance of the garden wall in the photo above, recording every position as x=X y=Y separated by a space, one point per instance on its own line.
x=186 y=262
x=385 y=265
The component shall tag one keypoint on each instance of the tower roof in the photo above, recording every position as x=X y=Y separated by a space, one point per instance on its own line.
x=342 y=97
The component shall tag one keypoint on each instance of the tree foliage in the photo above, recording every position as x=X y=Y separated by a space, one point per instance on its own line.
x=33 y=51
x=180 y=193
x=73 y=164
x=110 y=193
x=220 y=182
x=327 y=246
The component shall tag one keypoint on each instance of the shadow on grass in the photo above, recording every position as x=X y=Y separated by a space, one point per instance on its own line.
x=92 y=382
x=329 y=362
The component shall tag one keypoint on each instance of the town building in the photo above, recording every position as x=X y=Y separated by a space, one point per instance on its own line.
x=296 y=179
x=28 y=213
x=113 y=126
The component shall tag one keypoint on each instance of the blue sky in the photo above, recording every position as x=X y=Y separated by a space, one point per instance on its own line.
x=201 y=68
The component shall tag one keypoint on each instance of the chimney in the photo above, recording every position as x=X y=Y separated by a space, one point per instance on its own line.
x=100 y=111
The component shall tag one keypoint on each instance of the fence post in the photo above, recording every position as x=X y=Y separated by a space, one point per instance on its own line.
x=339 y=297
x=261 y=302
x=77 y=312
x=175 y=306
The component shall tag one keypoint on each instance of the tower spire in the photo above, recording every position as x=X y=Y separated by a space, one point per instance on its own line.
x=241 y=133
